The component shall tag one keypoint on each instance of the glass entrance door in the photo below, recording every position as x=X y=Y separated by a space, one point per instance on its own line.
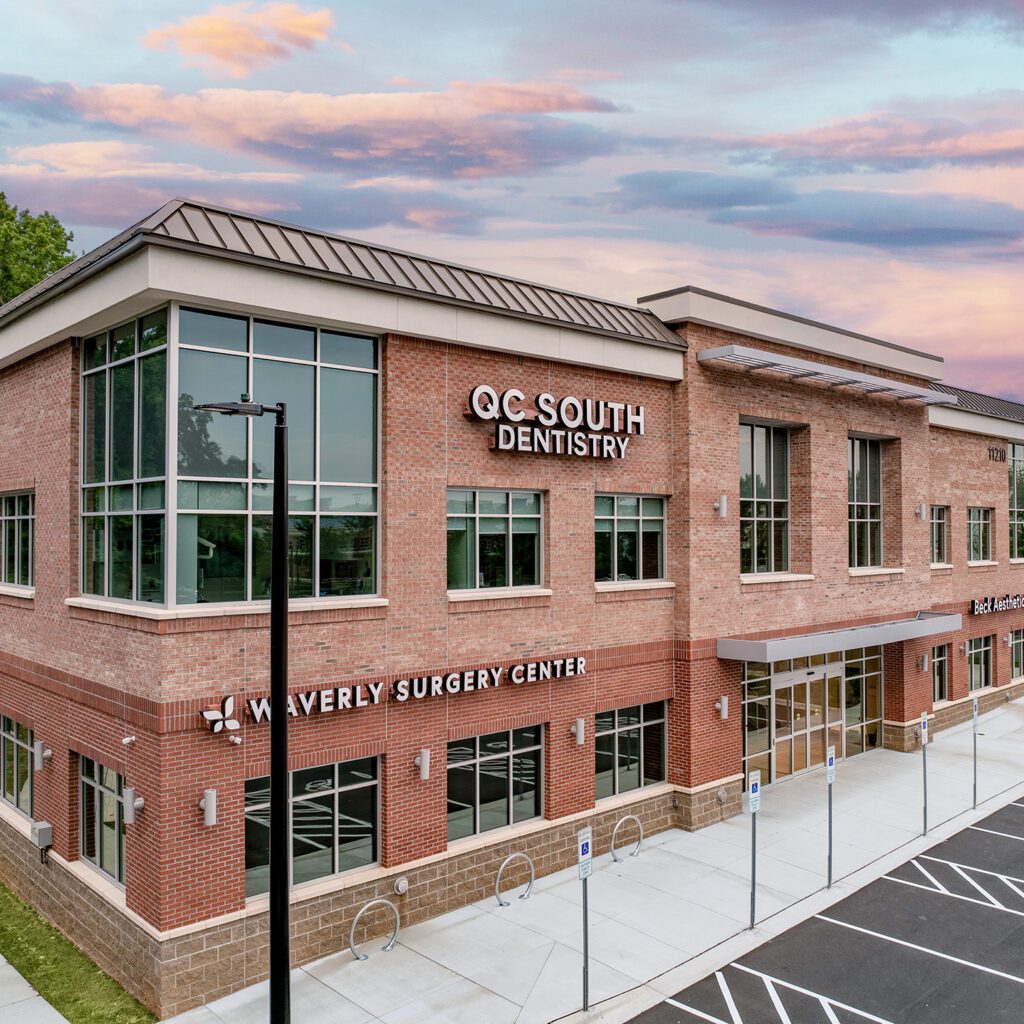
x=800 y=726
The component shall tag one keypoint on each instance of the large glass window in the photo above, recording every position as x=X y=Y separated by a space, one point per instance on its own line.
x=940 y=673
x=101 y=823
x=979 y=662
x=16 y=758
x=1017 y=500
x=764 y=498
x=939 y=524
x=18 y=539
x=629 y=538
x=494 y=539
x=494 y=781
x=864 y=467
x=979 y=534
x=124 y=460
x=1017 y=654
x=629 y=748
x=863 y=700
x=224 y=497
x=334 y=822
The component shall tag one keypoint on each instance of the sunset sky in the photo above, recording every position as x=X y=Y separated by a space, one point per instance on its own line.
x=861 y=166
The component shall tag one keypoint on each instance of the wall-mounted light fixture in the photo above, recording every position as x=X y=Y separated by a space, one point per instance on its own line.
x=1009 y=639
x=579 y=730
x=40 y=755
x=962 y=648
x=722 y=706
x=922 y=663
x=422 y=761
x=128 y=741
x=132 y=805
x=721 y=506
x=921 y=510
x=208 y=805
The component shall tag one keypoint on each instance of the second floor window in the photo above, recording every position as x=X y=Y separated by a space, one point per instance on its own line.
x=18 y=539
x=864 y=466
x=939 y=534
x=494 y=539
x=940 y=672
x=979 y=534
x=101 y=825
x=764 y=498
x=1017 y=500
x=629 y=538
x=979 y=662
x=16 y=762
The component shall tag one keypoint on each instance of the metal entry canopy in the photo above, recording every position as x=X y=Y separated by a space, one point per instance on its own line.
x=877 y=634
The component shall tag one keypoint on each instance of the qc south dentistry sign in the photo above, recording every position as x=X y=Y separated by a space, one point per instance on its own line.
x=580 y=427
x=401 y=691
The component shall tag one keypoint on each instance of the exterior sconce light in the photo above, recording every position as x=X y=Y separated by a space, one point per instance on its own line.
x=921 y=509
x=922 y=663
x=40 y=755
x=208 y=805
x=128 y=741
x=579 y=730
x=132 y=805
x=422 y=761
x=721 y=506
x=1009 y=639
x=962 y=648
x=722 y=706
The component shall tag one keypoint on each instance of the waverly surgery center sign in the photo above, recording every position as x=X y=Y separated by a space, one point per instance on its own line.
x=585 y=428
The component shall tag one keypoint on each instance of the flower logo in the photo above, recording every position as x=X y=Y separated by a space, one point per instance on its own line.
x=222 y=719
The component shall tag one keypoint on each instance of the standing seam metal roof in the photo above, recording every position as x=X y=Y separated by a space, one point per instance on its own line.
x=973 y=401
x=234 y=235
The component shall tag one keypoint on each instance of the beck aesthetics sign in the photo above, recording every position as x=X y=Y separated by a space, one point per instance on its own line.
x=401 y=691
x=546 y=425
x=988 y=605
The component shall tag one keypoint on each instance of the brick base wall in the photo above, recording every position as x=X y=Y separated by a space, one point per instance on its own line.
x=697 y=810
x=178 y=973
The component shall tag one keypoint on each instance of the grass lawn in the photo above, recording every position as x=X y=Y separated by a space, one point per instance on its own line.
x=59 y=972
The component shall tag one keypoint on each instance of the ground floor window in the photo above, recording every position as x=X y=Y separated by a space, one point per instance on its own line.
x=1017 y=654
x=334 y=822
x=16 y=758
x=494 y=781
x=979 y=662
x=940 y=673
x=101 y=796
x=629 y=748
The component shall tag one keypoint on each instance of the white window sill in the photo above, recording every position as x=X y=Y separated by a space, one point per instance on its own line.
x=986 y=561
x=614 y=586
x=942 y=565
x=498 y=593
x=775 y=577
x=10 y=590
x=205 y=611
x=877 y=571
x=1017 y=561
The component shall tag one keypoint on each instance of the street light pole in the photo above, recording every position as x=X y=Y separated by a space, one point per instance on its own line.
x=280 y=957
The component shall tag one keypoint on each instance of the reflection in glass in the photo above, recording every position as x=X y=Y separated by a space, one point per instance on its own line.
x=348 y=426
x=347 y=555
x=122 y=422
x=211 y=558
x=213 y=330
x=296 y=386
x=210 y=444
x=285 y=340
x=152 y=415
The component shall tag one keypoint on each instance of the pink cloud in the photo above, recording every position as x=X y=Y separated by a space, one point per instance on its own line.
x=236 y=39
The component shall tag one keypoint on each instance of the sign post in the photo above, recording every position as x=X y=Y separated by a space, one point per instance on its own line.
x=924 y=767
x=754 y=805
x=585 y=856
x=974 y=710
x=830 y=771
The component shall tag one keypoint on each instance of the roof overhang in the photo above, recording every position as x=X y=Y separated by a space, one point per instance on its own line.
x=804 y=645
x=970 y=422
x=834 y=376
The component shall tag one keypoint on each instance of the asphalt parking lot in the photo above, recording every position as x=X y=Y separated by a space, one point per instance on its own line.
x=939 y=940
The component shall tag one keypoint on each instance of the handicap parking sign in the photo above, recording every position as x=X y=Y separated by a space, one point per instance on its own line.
x=754 y=803
x=830 y=765
x=585 y=851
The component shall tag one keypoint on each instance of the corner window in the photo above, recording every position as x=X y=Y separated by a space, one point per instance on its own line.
x=18 y=539
x=494 y=781
x=764 y=498
x=979 y=534
x=940 y=673
x=494 y=539
x=979 y=662
x=629 y=748
x=334 y=823
x=864 y=467
x=629 y=538
x=939 y=526
x=16 y=759
x=1017 y=500
x=124 y=460
x=101 y=825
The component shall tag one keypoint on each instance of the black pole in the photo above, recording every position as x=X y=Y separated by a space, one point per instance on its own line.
x=280 y=962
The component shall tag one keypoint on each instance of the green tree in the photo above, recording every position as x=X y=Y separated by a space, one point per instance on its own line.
x=31 y=248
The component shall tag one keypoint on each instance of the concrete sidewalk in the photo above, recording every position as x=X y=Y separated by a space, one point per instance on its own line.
x=683 y=896
x=19 y=1001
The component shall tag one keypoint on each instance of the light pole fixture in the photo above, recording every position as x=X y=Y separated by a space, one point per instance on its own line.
x=280 y=961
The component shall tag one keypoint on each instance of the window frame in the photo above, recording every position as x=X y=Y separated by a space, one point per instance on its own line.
x=1016 y=512
x=15 y=523
x=979 y=527
x=22 y=749
x=940 y=679
x=508 y=516
x=1017 y=654
x=980 y=647
x=640 y=518
x=938 y=531
x=752 y=501
x=858 y=448
x=640 y=726
x=100 y=790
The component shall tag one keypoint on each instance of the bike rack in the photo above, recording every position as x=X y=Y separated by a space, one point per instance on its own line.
x=352 y=931
x=615 y=831
x=497 y=879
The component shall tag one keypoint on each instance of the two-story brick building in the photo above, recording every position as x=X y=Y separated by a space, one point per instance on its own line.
x=553 y=560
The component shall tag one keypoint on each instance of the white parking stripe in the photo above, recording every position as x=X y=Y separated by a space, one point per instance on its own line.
x=922 y=949
x=931 y=878
x=992 y=832
x=776 y=1001
x=956 y=896
x=727 y=996
x=697 y=1013
x=984 y=892
x=971 y=867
